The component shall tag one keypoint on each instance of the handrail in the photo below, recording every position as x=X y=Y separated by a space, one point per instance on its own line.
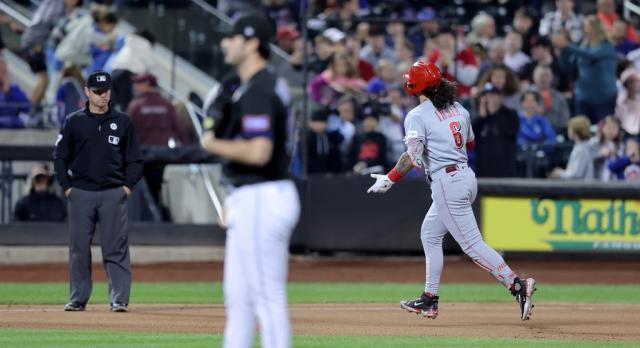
x=629 y=7
x=24 y=20
x=223 y=17
x=207 y=7
x=192 y=110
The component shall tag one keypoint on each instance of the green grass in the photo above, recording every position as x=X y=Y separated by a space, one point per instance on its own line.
x=210 y=293
x=32 y=338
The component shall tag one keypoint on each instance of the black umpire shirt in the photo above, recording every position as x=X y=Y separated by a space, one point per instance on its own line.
x=258 y=111
x=97 y=151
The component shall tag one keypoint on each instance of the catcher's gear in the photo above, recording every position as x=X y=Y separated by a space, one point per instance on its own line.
x=421 y=76
x=382 y=184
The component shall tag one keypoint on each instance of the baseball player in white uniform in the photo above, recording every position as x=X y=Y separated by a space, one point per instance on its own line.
x=438 y=134
x=262 y=207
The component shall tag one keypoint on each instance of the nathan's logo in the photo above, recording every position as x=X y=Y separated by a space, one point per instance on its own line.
x=526 y=224
x=614 y=220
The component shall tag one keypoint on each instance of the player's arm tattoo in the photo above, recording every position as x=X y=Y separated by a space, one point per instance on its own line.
x=404 y=164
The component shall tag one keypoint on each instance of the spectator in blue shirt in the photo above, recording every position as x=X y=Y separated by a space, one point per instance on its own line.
x=534 y=128
x=627 y=167
x=594 y=63
x=13 y=101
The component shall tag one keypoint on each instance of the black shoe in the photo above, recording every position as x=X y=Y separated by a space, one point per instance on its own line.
x=426 y=304
x=73 y=307
x=523 y=291
x=119 y=307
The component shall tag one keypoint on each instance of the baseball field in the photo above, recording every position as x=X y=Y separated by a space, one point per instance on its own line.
x=335 y=302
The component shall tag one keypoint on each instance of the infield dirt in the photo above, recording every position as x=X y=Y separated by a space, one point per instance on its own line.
x=549 y=321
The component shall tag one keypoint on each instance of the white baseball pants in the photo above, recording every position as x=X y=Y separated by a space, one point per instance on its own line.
x=452 y=195
x=260 y=219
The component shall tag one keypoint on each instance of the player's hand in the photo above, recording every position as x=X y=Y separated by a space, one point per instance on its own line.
x=67 y=192
x=207 y=139
x=382 y=184
x=127 y=191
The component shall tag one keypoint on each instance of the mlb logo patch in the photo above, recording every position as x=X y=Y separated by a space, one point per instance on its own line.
x=101 y=78
x=114 y=140
x=256 y=123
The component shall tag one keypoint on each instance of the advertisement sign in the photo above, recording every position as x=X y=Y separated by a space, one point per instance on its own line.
x=533 y=224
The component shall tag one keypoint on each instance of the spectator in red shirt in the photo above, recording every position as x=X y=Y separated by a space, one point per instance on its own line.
x=608 y=16
x=156 y=123
x=153 y=116
x=457 y=65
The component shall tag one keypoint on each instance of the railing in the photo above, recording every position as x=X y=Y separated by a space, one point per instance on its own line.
x=13 y=13
x=628 y=8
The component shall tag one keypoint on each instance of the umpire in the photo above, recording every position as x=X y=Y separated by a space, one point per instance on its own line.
x=97 y=162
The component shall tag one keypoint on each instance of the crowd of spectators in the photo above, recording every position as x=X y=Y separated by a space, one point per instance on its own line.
x=542 y=81
x=65 y=41
x=526 y=71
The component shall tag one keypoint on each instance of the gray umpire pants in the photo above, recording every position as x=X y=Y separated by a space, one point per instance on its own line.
x=107 y=208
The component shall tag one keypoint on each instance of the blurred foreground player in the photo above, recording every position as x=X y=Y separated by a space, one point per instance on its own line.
x=262 y=207
x=438 y=134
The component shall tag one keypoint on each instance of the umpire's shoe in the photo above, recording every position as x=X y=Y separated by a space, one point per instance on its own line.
x=523 y=290
x=119 y=307
x=426 y=304
x=73 y=307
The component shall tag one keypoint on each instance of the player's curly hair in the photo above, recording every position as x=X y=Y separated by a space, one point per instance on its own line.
x=442 y=96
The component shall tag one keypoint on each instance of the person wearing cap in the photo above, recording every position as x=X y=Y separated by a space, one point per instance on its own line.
x=97 y=162
x=368 y=152
x=428 y=26
x=40 y=204
x=262 y=206
x=496 y=127
x=286 y=37
x=156 y=124
x=323 y=147
x=376 y=47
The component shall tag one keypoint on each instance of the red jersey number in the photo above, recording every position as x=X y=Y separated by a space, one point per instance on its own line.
x=457 y=136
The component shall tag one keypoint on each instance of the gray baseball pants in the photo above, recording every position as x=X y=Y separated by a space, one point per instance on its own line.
x=108 y=210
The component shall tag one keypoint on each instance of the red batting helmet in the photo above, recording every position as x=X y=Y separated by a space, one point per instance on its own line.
x=421 y=76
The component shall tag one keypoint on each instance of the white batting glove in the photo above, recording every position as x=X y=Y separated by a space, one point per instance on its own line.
x=382 y=184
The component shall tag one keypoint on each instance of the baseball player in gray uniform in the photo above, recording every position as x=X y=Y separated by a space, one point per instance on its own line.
x=438 y=134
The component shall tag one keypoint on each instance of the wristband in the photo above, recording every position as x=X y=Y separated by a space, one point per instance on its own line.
x=394 y=175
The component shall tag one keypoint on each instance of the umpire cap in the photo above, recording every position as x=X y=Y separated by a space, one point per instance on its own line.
x=99 y=80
